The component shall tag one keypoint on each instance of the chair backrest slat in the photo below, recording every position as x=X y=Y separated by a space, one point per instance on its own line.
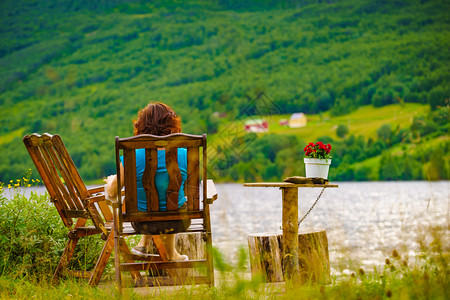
x=70 y=167
x=151 y=165
x=61 y=192
x=68 y=190
x=151 y=144
x=193 y=179
x=174 y=178
x=129 y=161
x=32 y=144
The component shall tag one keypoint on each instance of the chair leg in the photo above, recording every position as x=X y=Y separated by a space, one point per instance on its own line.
x=102 y=260
x=126 y=251
x=117 y=263
x=157 y=241
x=65 y=258
x=209 y=258
x=209 y=254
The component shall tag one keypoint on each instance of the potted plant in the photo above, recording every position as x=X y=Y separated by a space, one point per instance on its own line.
x=317 y=159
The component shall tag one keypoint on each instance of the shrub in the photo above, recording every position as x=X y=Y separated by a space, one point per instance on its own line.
x=32 y=235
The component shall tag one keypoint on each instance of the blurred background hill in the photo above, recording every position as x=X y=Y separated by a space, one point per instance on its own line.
x=372 y=78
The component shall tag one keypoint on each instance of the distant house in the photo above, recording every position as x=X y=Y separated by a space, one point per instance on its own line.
x=256 y=125
x=297 y=120
x=284 y=122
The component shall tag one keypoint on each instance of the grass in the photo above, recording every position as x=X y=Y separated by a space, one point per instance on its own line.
x=427 y=278
x=7 y=138
x=364 y=121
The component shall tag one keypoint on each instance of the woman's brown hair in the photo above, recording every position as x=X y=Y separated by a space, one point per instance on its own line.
x=157 y=119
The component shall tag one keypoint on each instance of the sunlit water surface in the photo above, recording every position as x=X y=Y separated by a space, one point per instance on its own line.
x=364 y=221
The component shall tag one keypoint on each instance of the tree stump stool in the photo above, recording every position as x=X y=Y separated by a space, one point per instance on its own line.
x=266 y=250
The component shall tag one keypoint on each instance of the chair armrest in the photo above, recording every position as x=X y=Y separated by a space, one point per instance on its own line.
x=95 y=190
x=211 y=192
x=96 y=194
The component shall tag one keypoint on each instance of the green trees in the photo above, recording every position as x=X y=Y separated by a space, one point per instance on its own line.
x=83 y=70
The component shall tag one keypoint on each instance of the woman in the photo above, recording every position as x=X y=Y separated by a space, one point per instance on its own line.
x=157 y=119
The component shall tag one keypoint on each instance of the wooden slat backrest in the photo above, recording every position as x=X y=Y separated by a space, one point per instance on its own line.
x=151 y=156
x=170 y=143
x=174 y=178
x=192 y=183
x=60 y=176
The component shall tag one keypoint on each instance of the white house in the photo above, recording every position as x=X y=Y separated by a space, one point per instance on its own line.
x=297 y=120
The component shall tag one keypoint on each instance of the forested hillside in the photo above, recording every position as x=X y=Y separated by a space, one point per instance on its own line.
x=83 y=69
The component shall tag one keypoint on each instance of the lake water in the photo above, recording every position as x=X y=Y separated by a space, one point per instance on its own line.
x=365 y=221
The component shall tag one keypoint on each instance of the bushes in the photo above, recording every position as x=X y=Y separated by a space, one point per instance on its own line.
x=32 y=235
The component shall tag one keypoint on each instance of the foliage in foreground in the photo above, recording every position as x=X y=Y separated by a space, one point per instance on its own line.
x=427 y=279
x=32 y=239
x=32 y=235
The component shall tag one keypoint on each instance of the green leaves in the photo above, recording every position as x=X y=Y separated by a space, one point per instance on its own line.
x=32 y=236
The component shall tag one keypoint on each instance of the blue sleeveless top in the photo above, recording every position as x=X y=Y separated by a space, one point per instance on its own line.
x=161 y=178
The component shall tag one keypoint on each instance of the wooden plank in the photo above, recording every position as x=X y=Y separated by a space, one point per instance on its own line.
x=287 y=184
x=102 y=260
x=177 y=140
x=174 y=178
x=148 y=179
x=61 y=193
x=71 y=168
x=68 y=251
x=72 y=194
x=290 y=233
x=129 y=159
x=157 y=241
x=106 y=211
x=212 y=192
x=175 y=215
x=147 y=257
x=204 y=170
x=209 y=258
x=96 y=190
x=136 y=144
x=159 y=265
x=126 y=253
x=36 y=156
x=169 y=281
x=193 y=178
x=49 y=180
x=77 y=213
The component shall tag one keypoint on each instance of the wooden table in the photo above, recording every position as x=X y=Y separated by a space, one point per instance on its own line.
x=289 y=222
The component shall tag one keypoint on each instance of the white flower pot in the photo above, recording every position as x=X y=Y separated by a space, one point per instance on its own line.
x=315 y=167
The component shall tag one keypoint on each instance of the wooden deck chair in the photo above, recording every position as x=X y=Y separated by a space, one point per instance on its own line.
x=198 y=200
x=74 y=202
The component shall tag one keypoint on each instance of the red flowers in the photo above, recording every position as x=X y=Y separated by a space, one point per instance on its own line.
x=317 y=150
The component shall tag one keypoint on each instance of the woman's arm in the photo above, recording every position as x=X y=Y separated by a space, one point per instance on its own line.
x=111 y=183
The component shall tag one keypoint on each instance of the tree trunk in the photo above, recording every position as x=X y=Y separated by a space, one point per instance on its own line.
x=266 y=251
